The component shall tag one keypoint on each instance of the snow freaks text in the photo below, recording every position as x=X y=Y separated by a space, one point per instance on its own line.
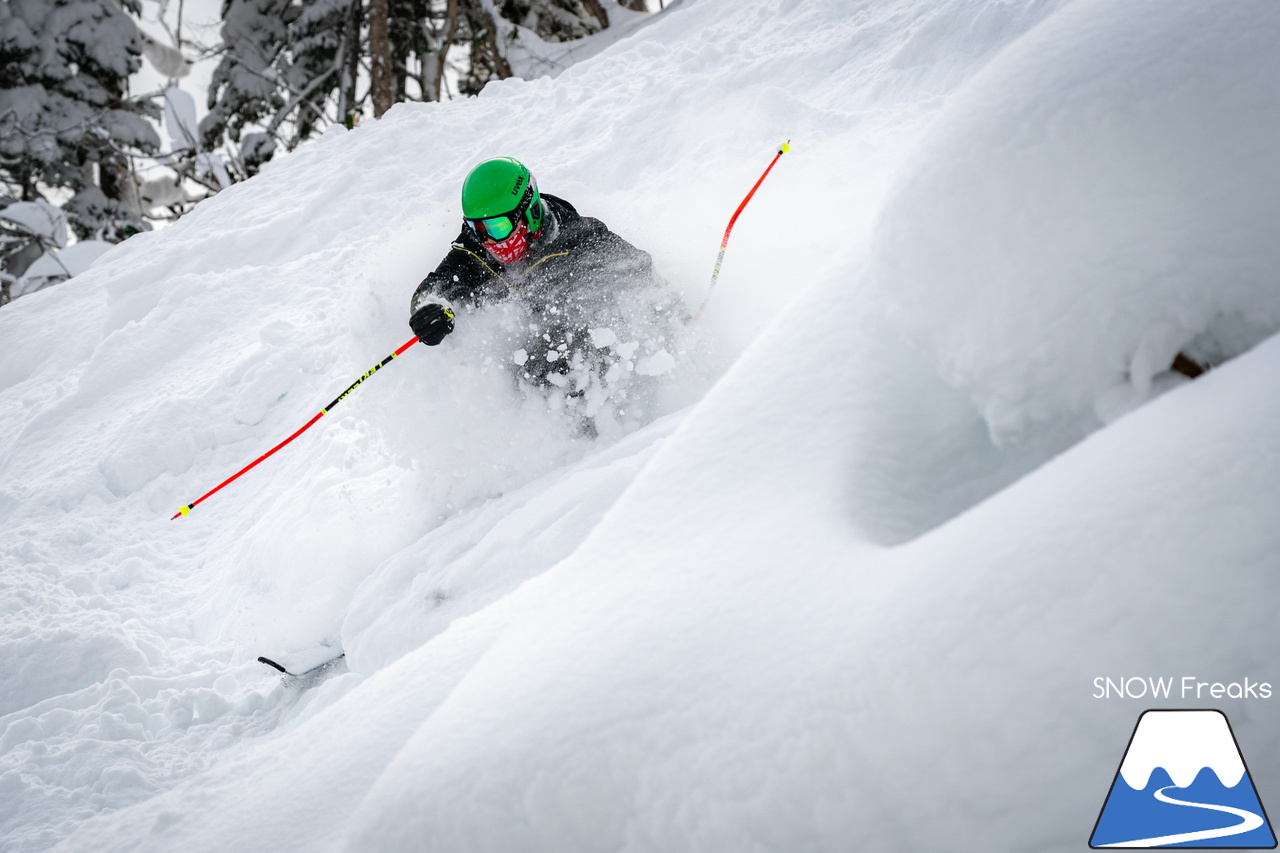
x=1186 y=687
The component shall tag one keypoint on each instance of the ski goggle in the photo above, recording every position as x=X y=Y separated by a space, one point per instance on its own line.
x=498 y=228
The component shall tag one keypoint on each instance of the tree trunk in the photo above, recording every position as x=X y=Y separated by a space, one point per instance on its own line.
x=111 y=177
x=597 y=11
x=381 y=82
x=500 y=65
x=350 y=74
x=113 y=167
x=27 y=178
x=635 y=5
x=440 y=59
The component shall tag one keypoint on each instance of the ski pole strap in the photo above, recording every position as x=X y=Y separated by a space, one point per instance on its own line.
x=724 y=242
x=187 y=509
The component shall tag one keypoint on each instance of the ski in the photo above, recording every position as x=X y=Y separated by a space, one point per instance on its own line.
x=319 y=668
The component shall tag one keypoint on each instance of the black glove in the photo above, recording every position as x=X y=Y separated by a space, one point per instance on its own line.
x=432 y=322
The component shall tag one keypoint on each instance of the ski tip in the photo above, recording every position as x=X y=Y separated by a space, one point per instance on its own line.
x=269 y=662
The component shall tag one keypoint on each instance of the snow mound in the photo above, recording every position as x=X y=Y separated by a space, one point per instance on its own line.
x=1102 y=196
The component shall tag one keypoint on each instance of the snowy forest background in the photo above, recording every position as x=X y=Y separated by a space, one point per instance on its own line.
x=101 y=138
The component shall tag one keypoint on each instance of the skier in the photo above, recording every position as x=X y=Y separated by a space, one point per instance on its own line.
x=568 y=270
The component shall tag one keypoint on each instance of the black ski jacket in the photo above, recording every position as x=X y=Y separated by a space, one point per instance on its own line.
x=574 y=266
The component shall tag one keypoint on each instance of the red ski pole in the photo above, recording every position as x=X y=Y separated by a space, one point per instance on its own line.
x=782 y=149
x=186 y=509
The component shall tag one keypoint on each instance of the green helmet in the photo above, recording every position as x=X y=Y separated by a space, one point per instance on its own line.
x=501 y=186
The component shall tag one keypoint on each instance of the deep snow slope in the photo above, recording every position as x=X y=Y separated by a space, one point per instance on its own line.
x=869 y=575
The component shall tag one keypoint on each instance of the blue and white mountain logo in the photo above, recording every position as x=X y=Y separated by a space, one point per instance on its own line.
x=1183 y=783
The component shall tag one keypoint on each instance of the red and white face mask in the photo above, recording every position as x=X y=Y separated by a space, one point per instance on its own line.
x=512 y=249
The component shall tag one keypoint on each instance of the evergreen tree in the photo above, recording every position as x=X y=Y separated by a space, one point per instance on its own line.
x=287 y=69
x=66 y=118
x=326 y=49
x=245 y=89
x=557 y=20
x=291 y=67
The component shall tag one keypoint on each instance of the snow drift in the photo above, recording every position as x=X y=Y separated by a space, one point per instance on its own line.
x=1098 y=198
x=869 y=574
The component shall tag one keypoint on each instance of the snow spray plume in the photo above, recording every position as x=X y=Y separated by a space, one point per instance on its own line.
x=186 y=509
x=782 y=149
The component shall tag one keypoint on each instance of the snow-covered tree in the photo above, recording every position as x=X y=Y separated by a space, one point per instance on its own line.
x=67 y=120
x=420 y=34
x=246 y=87
x=288 y=69
x=508 y=38
x=557 y=20
x=291 y=67
x=325 y=53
